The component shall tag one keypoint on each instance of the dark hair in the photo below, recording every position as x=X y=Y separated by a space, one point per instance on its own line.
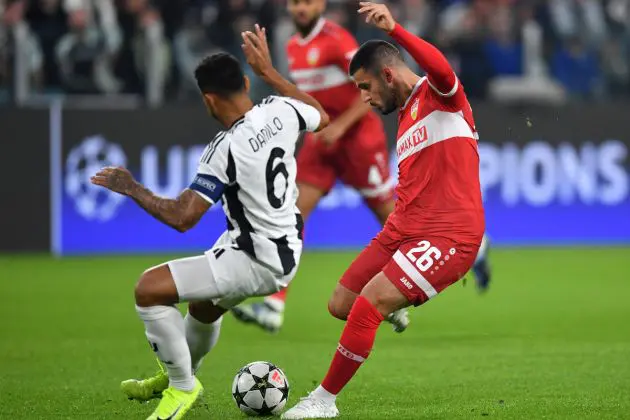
x=372 y=55
x=220 y=73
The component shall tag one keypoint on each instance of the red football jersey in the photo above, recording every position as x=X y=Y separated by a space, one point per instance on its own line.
x=318 y=65
x=438 y=161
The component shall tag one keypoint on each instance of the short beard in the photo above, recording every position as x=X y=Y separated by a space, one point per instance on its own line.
x=389 y=100
x=306 y=30
x=388 y=107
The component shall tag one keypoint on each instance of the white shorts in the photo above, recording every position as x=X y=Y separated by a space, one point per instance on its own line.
x=225 y=275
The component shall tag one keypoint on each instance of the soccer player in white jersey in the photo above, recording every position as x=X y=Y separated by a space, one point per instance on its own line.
x=251 y=168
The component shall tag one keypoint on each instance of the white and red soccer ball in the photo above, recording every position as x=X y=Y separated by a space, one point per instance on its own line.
x=260 y=389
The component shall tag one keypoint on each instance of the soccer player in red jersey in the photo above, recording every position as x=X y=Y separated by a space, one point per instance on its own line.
x=353 y=148
x=434 y=233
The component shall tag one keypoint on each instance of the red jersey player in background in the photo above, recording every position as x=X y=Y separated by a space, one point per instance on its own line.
x=353 y=148
x=432 y=238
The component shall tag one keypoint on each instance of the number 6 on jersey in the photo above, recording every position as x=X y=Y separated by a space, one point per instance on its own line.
x=271 y=173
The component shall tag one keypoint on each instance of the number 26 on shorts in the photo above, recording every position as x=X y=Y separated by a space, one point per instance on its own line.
x=424 y=255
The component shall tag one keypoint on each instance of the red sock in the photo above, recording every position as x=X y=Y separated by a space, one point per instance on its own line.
x=281 y=295
x=355 y=345
x=276 y=301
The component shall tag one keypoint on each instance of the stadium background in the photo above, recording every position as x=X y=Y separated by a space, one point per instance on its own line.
x=87 y=81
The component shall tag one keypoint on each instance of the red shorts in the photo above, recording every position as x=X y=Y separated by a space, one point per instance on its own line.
x=419 y=267
x=359 y=161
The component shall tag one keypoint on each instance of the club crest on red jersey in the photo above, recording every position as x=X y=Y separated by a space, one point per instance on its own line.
x=312 y=56
x=414 y=109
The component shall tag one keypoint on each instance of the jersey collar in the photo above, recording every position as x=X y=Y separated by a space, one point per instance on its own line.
x=413 y=92
x=236 y=122
x=316 y=30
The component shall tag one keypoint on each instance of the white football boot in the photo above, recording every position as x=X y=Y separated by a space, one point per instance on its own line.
x=260 y=314
x=399 y=320
x=312 y=408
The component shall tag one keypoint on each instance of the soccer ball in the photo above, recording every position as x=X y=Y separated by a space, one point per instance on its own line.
x=260 y=389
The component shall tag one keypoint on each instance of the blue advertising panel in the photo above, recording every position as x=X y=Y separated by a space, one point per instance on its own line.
x=546 y=191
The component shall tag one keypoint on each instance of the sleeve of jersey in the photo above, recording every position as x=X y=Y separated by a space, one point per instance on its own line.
x=211 y=178
x=440 y=74
x=308 y=117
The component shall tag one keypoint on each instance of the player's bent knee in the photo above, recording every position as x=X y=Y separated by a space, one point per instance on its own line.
x=142 y=291
x=341 y=302
x=382 y=293
x=337 y=310
x=155 y=287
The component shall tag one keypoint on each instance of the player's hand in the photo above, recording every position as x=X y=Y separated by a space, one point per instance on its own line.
x=256 y=50
x=118 y=179
x=377 y=15
x=330 y=134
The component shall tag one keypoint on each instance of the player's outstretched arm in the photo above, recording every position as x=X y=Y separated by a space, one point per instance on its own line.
x=429 y=58
x=181 y=213
x=257 y=53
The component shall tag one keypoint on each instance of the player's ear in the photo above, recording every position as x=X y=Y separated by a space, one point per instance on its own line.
x=208 y=100
x=388 y=75
x=246 y=83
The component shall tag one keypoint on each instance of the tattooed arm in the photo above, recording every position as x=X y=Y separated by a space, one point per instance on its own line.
x=181 y=213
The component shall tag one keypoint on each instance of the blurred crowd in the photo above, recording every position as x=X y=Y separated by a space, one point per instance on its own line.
x=579 y=47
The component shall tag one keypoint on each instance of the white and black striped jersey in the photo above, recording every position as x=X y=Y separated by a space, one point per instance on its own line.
x=251 y=167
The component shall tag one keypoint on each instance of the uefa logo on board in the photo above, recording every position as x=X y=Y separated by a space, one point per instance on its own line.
x=84 y=160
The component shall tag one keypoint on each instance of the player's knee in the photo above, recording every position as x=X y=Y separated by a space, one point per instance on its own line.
x=142 y=291
x=338 y=309
x=145 y=290
x=156 y=287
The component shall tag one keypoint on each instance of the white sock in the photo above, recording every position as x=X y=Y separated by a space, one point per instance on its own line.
x=483 y=249
x=201 y=338
x=164 y=327
x=322 y=394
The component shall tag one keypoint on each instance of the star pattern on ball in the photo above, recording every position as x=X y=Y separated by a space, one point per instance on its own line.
x=238 y=397
x=262 y=384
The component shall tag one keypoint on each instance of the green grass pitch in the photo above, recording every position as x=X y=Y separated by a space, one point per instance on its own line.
x=550 y=340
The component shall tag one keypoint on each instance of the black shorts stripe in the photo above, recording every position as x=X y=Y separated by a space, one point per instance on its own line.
x=287 y=259
x=218 y=252
x=237 y=211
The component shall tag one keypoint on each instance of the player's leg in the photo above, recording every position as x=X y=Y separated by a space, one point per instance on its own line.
x=368 y=172
x=382 y=208
x=202 y=325
x=364 y=267
x=315 y=177
x=156 y=294
x=481 y=267
x=378 y=299
x=418 y=271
